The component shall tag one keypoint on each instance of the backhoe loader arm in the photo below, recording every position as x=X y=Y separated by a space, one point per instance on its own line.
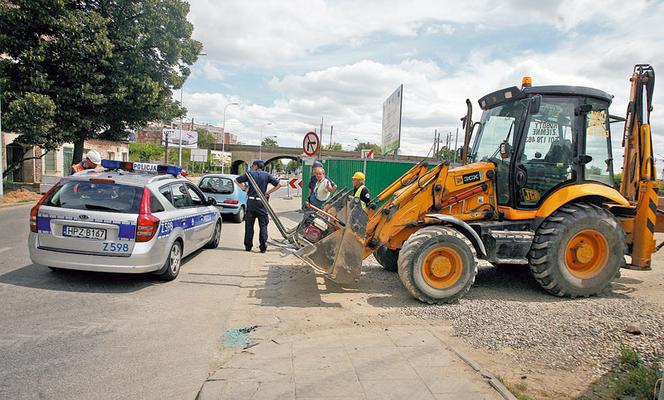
x=639 y=180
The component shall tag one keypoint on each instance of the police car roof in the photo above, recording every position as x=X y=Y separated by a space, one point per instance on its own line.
x=123 y=177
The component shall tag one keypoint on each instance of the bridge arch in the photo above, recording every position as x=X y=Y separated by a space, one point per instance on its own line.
x=277 y=158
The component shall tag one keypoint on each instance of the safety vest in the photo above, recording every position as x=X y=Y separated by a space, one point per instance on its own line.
x=77 y=168
x=358 y=193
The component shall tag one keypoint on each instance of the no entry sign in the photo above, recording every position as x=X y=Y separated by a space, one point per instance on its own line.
x=310 y=144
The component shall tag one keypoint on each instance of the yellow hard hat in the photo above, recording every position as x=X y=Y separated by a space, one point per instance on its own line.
x=358 y=175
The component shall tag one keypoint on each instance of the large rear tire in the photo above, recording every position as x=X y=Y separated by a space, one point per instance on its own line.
x=387 y=258
x=577 y=251
x=437 y=265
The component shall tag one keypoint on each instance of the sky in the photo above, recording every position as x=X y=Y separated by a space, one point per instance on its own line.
x=290 y=63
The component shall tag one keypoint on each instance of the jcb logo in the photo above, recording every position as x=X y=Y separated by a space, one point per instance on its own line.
x=530 y=195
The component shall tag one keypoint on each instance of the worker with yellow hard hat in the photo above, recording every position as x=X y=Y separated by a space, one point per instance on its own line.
x=361 y=191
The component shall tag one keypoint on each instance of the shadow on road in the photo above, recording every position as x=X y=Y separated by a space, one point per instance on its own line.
x=41 y=277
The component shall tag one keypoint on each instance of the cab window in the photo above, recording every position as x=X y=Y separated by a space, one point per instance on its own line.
x=598 y=144
x=548 y=150
x=155 y=204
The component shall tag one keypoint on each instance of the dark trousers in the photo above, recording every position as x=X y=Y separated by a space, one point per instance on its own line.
x=255 y=210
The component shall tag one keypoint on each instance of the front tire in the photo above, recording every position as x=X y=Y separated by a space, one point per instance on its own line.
x=387 y=258
x=171 y=268
x=577 y=251
x=437 y=265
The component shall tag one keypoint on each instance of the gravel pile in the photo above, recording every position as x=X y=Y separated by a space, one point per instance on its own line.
x=507 y=312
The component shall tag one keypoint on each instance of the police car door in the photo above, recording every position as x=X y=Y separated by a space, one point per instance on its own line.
x=183 y=216
x=204 y=218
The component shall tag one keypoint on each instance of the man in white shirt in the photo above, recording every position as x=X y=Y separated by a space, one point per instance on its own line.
x=323 y=189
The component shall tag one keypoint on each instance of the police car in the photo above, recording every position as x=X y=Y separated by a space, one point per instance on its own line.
x=126 y=217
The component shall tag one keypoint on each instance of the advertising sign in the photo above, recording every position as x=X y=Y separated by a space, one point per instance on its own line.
x=391 y=137
x=172 y=136
x=220 y=157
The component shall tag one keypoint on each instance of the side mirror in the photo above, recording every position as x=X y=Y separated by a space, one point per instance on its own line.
x=583 y=159
x=534 y=104
x=211 y=201
x=459 y=153
x=505 y=150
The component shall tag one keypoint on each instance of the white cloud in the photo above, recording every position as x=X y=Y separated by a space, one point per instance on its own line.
x=350 y=94
x=213 y=72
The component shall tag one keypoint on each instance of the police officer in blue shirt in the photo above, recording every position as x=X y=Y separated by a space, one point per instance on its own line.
x=255 y=207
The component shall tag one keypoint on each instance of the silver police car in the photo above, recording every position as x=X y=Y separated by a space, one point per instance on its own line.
x=127 y=217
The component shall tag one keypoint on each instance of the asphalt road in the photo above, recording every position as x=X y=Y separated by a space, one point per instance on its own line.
x=80 y=335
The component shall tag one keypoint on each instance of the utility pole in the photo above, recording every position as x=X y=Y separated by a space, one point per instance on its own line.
x=331 y=128
x=2 y=147
x=435 y=144
x=456 y=144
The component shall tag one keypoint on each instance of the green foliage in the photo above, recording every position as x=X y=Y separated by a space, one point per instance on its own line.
x=367 y=146
x=270 y=142
x=637 y=378
x=617 y=178
x=292 y=166
x=445 y=153
x=91 y=69
x=205 y=138
x=145 y=152
x=333 y=147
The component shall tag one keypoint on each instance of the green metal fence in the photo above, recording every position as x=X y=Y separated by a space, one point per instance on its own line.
x=379 y=173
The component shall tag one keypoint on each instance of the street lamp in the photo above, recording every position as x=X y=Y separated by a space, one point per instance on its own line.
x=223 y=136
x=180 y=145
x=260 y=148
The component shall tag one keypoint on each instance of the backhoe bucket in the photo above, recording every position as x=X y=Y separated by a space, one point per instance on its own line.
x=339 y=256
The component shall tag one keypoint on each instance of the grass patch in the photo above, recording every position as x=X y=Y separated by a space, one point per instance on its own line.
x=517 y=389
x=636 y=378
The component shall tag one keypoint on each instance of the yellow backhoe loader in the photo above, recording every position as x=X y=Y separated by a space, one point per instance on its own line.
x=536 y=187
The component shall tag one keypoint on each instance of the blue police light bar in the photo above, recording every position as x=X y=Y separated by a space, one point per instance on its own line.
x=142 y=167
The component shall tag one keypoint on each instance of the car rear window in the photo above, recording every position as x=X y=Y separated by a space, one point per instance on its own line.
x=216 y=184
x=98 y=196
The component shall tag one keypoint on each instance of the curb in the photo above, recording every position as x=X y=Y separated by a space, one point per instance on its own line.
x=23 y=203
x=492 y=380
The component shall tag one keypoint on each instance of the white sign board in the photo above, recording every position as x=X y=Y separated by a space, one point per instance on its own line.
x=189 y=138
x=392 y=122
x=220 y=157
x=145 y=167
x=199 y=155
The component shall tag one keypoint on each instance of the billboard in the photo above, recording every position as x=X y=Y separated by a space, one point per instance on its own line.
x=391 y=137
x=199 y=155
x=189 y=138
x=220 y=158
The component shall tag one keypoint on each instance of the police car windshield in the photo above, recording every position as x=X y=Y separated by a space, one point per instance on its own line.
x=97 y=196
x=216 y=184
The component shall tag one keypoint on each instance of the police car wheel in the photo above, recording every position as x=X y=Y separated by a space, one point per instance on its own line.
x=171 y=268
x=214 y=241
x=239 y=217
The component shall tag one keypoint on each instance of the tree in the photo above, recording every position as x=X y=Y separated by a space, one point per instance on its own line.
x=445 y=154
x=270 y=142
x=368 y=146
x=145 y=152
x=292 y=166
x=76 y=70
x=205 y=138
x=333 y=147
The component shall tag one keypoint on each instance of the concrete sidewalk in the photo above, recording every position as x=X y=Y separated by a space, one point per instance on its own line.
x=298 y=336
x=350 y=363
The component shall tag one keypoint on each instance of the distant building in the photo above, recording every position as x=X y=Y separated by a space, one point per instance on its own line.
x=56 y=162
x=152 y=132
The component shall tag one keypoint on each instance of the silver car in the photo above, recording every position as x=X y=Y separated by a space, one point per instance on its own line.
x=121 y=221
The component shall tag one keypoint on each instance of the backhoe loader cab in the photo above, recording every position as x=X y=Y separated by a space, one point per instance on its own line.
x=543 y=138
x=536 y=188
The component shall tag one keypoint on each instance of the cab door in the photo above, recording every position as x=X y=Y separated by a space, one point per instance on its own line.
x=547 y=148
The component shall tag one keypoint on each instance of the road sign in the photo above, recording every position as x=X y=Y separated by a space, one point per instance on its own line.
x=295 y=181
x=367 y=153
x=310 y=144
